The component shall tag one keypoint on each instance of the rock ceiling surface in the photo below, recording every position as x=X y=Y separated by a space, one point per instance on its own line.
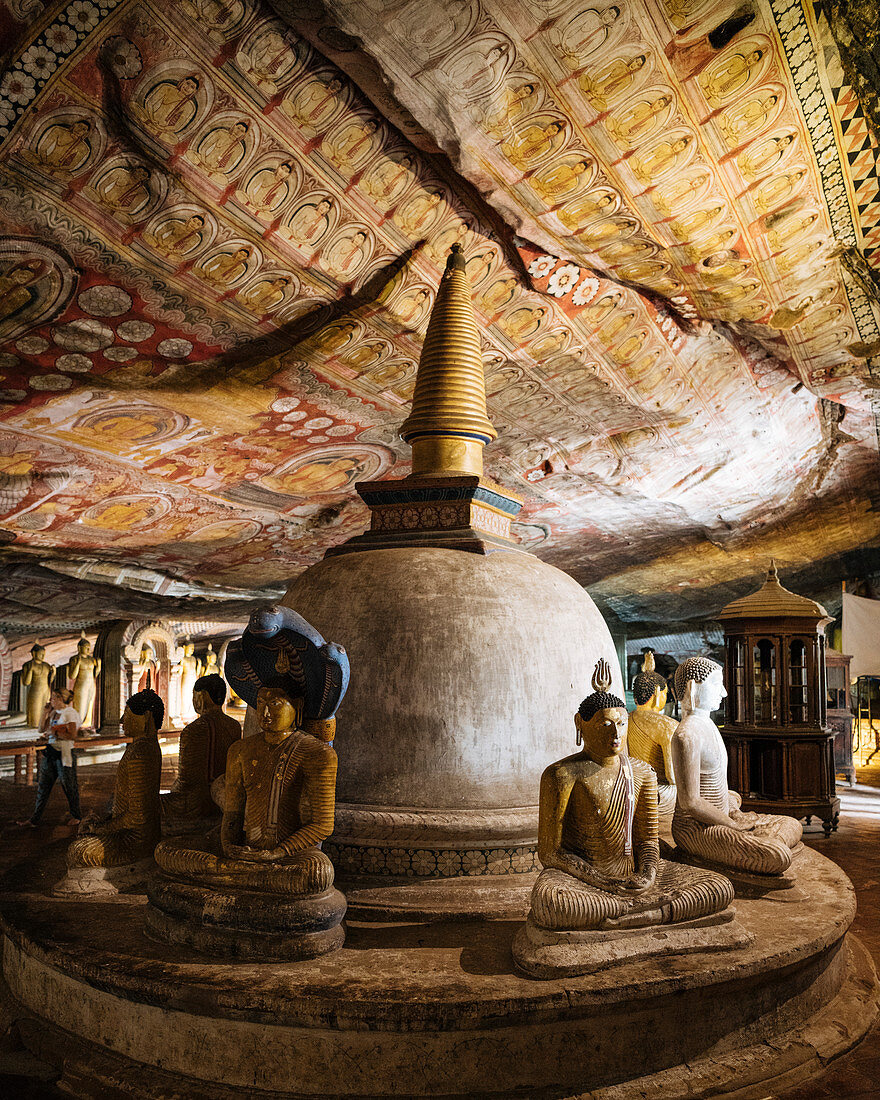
x=221 y=229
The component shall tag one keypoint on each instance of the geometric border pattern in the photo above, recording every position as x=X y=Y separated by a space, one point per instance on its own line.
x=800 y=53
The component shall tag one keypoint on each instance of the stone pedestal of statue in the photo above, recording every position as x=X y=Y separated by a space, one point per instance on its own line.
x=241 y=923
x=757 y=852
x=605 y=896
x=259 y=887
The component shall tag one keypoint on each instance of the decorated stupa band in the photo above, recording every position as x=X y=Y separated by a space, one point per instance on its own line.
x=204 y=745
x=708 y=825
x=649 y=734
x=279 y=805
x=598 y=842
x=132 y=830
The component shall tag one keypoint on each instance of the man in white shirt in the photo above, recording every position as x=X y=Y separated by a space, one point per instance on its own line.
x=58 y=728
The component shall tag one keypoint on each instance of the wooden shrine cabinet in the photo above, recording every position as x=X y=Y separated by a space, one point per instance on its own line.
x=838 y=711
x=780 y=748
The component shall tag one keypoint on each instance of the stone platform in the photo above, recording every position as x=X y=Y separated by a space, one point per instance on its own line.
x=419 y=1010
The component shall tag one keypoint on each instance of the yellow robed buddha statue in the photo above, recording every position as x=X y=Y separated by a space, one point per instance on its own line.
x=603 y=880
x=260 y=886
x=204 y=745
x=105 y=854
x=709 y=828
x=649 y=734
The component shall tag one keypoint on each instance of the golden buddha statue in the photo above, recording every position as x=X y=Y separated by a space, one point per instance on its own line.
x=132 y=830
x=37 y=675
x=204 y=745
x=708 y=826
x=190 y=671
x=262 y=880
x=84 y=669
x=649 y=734
x=598 y=842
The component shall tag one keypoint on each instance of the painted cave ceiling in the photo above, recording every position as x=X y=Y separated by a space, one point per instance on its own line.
x=222 y=224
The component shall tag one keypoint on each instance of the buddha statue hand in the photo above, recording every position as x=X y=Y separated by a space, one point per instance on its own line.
x=640 y=882
x=256 y=855
x=744 y=822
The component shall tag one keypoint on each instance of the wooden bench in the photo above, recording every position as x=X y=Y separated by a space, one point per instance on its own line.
x=24 y=753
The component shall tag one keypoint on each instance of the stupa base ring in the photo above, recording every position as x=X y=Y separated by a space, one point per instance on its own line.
x=433 y=1010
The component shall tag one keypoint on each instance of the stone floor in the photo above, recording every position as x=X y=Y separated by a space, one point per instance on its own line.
x=857 y=1074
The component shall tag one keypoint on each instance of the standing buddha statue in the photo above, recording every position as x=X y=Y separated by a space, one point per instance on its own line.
x=190 y=671
x=37 y=675
x=708 y=827
x=603 y=875
x=83 y=669
x=649 y=734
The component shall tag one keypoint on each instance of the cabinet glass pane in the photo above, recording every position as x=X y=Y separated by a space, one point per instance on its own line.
x=764 y=658
x=738 y=695
x=797 y=681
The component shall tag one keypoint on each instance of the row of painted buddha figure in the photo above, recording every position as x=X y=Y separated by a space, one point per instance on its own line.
x=258 y=885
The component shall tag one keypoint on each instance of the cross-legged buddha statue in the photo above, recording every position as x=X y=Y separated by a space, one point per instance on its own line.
x=708 y=826
x=131 y=832
x=204 y=745
x=649 y=734
x=260 y=886
x=603 y=876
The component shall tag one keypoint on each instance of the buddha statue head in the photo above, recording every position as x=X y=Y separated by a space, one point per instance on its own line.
x=143 y=715
x=699 y=685
x=279 y=711
x=649 y=688
x=38 y=652
x=189 y=649
x=84 y=647
x=601 y=719
x=209 y=693
x=147 y=654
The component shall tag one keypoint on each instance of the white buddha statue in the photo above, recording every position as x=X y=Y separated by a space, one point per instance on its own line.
x=708 y=823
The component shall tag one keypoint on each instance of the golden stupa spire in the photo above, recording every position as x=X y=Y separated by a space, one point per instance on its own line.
x=448 y=426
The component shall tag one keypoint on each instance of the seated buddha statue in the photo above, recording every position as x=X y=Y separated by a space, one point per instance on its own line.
x=260 y=886
x=131 y=831
x=598 y=842
x=204 y=744
x=649 y=734
x=265 y=844
x=708 y=826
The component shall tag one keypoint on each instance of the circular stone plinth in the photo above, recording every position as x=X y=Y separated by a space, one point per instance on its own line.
x=412 y=1010
x=244 y=924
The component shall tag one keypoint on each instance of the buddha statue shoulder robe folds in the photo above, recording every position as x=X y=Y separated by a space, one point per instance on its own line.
x=204 y=744
x=649 y=738
x=133 y=828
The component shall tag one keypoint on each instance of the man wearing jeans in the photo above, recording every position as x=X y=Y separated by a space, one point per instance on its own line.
x=59 y=726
